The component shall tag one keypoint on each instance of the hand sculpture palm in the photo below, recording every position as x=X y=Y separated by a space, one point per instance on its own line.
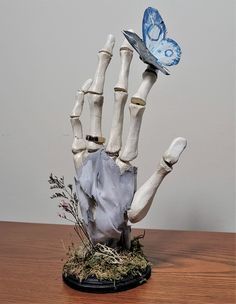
x=106 y=180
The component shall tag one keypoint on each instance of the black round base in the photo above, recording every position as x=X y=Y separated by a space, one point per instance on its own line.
x=96 y=286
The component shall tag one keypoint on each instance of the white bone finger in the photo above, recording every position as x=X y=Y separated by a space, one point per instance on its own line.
x=126 y=55
x=104 y=58
x=79 y=103
x=172 y=154
x=95 y=139
x=78 y=142
x=137 y=107
x=120 y=98
x=86 y=85
x=143 y=198
x=79 y=99
x=95 y=107
x=115 y=138
x=130 y=150
x=149 y=78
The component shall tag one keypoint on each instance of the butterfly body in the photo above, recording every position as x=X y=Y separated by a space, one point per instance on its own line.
x=155 y=49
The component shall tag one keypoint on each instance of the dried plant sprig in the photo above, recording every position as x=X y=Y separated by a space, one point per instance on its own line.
x=70 y=205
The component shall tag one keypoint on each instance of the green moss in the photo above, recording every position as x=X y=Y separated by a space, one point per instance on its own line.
x=105 y=263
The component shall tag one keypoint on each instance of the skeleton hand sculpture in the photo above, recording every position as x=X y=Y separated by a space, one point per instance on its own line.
x=106 y=180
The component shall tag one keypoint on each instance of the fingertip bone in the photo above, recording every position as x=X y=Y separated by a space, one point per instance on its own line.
x=175 y=149
x=109 y=45
x=79 y=102
x=86 y=85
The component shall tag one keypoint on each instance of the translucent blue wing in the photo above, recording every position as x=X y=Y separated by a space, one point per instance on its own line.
x=168 y=52
x=153 y=27
x=144 y=54
x=165 y=50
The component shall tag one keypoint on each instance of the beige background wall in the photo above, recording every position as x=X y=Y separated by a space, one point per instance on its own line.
x=48 y=48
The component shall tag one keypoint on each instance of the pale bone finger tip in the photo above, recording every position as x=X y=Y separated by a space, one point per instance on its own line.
x=108 y=47
x=172 y=154
x=86 y=85
x=78 y=107
x=79 y=98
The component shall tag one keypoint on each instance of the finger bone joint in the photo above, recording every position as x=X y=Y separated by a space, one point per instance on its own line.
x=94 y=92
x=124 y=48
x=106 y=52
x=138 y=101
x=119 y=89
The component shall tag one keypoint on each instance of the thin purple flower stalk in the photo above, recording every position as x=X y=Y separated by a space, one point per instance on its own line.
x=69 y=204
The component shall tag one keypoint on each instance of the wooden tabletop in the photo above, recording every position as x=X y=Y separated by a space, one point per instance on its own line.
x=188 y=267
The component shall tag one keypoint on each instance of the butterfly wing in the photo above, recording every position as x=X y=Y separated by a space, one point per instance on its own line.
x=136 y=43
x=143 y=52
x=153 y=27
x=166 y=50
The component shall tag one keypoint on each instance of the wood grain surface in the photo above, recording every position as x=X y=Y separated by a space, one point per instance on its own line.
x=188 y=267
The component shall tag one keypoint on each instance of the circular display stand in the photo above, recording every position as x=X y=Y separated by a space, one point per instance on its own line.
x=96 y=286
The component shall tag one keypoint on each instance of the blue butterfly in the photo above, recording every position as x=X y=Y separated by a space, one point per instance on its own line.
x=155 y=49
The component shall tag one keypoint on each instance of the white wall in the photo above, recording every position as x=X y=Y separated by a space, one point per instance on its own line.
x=48 y=48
